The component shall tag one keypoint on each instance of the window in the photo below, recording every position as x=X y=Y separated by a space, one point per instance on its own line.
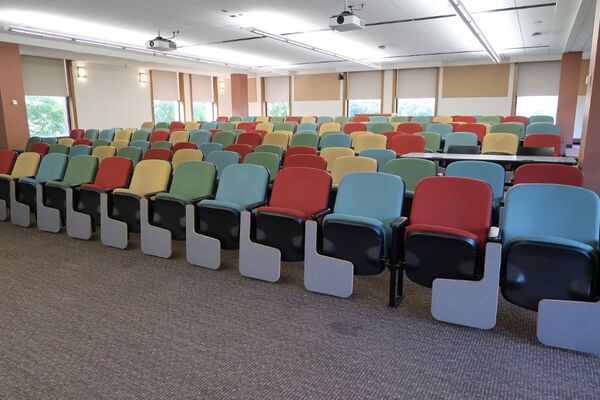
x=166 y=110
x=416 y=107
x=203 y=111
x=47 y=115
x=537 y=105
x=278 y=108
x=372 y=106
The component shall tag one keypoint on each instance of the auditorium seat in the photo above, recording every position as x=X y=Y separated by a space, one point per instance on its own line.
x=280 y=139
x=516 y=118
x=441 y=119
x=479 y=129
x=300 y=150
x=329 y=127
x=379 y=127
x=246 y=125
x=50 y=140
x=270 y=161
x=80 y=149
x=490 y=119
x=158 y=154
x=360 y=118
x=159 y=136
x=161 y=126
x=224 y=138
x=91 y=134
x=265 y=126
x=7 y=161
x=242 y=149
x=25 y=166
x=421 y=119
x=292 y=119
x=542 y=127
x=101 y=152
x=488 y=172
x=343 y=166
x=76 y=134
x=123 y=134
x=140 y=135
x=305 y=139
x=332 y=153
x=382 y=156
x=544 y=140
x=409 y=128
x=304 y=160
x=500 y=143
x=354 y=127
x=378 y=118
x=176 y=126
x=200 y=136
x=285 y=126
x=100 y=142
x=548 y=173
x=269 y=148
x=59 y=148
x=433 y=141
x=208 y=148
x=515 y=128
x=191 y=125
x=66 y=141
x=335 y=140
x=541 y=118
x=398 y=118
x=147 y=125
x=469 y=119
x=411 y=170
x=185 y=155
x=117 y=144
x=184 y=145
x=140 y=144
x=161 y=144
x=403 y=144
x=106 y=134
x=179 y=136
x=324 y=119
x=341 y=119
x=221 y=159
x=460 y=139
x=307 y=126
x=226 y=126
x=365 y=142
x=444 y=129
x=40 y=147
x=132 y=153
x=208 y=126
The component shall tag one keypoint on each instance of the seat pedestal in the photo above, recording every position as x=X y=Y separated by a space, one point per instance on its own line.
x=3 y=211
x=155 y=241
x=113 y=232
x=79 y=225
x=48 y=219
x=200 y=250
x=20 y=214
x=324 y=274
x=470 y=303
x=257 y=260
x=571 y=325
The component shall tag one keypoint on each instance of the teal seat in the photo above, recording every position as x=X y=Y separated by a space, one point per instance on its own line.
x=133 y=153
x=341 y=119
x=443 y=129
x=285 y=126
x=100 y=142
x=59 y=148
x=208 y=126
x=433 y=141
x=336 y=140
x=248 y=119
x=268 y=160
x=516 y=128
x=305 y=139
x=161 y=144
x=541 y=118
x=421 y=119
x=378 y=118
x=321 y=120
x=140 y=134
x=382 y=156
x=52 y=168
x=208 y=148
x=80 y=149
x=269 y=148
x=107 y=134
x=50 y=141
x=379 y=127
x=200 y=136
x=489 y=172
x=226 y=126
x=149 y=130
x=140 y=144
x=31 y=141
x=221 y=159
x=411 y=170
x=489 y=119
x=91 y=134
x=398 y=118
x=161 y=126
x=543 y=128
x=307 y=126
x=460 y=139
x=224 y=138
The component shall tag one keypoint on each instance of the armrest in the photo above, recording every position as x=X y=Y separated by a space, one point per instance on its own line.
x=320 y=214
x=151 y=194
x=397 y=254
x=197 y=199
x=251 y=207
x=494 y=234
x=399 y=222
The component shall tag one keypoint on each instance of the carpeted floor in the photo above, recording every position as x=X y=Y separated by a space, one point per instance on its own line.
x=79 y=320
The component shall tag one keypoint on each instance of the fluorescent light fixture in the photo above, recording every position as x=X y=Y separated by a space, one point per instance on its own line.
x=466 y=17
x=309 y=47
x=143 y=77
x=81 y=72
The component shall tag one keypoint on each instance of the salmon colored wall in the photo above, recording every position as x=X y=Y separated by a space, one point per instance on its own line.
x=239 y=95
x=570 y=72
x=14 y=130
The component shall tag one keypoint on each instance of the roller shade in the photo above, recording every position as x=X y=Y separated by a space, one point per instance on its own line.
x=416 y=83
x=252 y=90
x=476 y=81
x=277 y=89
x=364 y=85
x=538 y=79
x=202 y=88
x=316 y=87
x=165 y=85
x=44 y=76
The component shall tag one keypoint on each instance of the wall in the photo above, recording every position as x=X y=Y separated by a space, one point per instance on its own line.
x=111 y=96
x=224 y=104
x=14 y=129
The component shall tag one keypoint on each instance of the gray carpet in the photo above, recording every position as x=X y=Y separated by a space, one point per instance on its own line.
x=79 y=320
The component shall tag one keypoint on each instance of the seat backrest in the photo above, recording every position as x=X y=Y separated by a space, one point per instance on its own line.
x=125 y=134
x=331 y=153
x=191 y=125
x=140 y=144
x=336 y=140
x=80 y=149
x=83 y=142
x=221 y=159
x=516 y=128
x=246 y=126
x=403 y=144
x=242 y=149
x=224 y=138
x=66 y=141
x=161 y=144
x=479 y=129
x=91 y=134
x=261 y=119
x=378 y=118
x=360 y=118
x=342 y=166
x=433 y=140
x=291 y=119
x=113 y=172
x=441 y=119
x=300 y=150
x=302 y=189
x=305 y=160
x=491 y=119
x=161 y=125
x=305 y=139
x=541 y=118
x=311 y=119
x=26 y=165
x=460 y=139
x=133 y=153
x=452 y=202
x=147 y=124
x=117 y=144
x=101 y=152
x=7 y=161
x=81 y=169
x=106 y=134
x=307 y=126
x=50 y=140
x=411 y=170
x=341 y=119
x=516 y=118
x=159 y=136
x=365 y=142
x=489 y=172
x=544 y=140
x=193 y=179
x=398 y=118
x=185 y=155
x=548 y=173
x=184 y=145
x=379 y=127
x=561 y=211
x=179 y=136
x=464 y=118
x=226 y=126
x=501 y=143
x=323 y=119
x=208 y=148
x=200 y=136
x=329 y=127
x=59 y=148
x=265 y=126
x=243 y=184
x=150 y=176
x=40 y=147
x=421 y=119
x=52 y=168
x=158 y=154
x=285 y=126
x=100 y=142
x=354 y=127
x=252 y=139
x=176 y=125
x=409 y=127
x=269 y=148
x=442 y=128
x=76 y=134
x=543 y=127
x=277 y=138
x=382 y=156
x=268 y=160
x=207 y=126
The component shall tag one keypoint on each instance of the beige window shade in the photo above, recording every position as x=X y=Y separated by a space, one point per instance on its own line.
x=277 y=89
x=316 y=87
x=165 y=85
x=252 y=90
x=416 y=83
x=538 y=79
x=44 y=76
x=364 y=85
x=476 y=81
x=202 y=88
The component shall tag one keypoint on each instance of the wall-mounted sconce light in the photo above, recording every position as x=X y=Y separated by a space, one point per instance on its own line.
x=221 y=84
x=81 y=72
x=143 y=78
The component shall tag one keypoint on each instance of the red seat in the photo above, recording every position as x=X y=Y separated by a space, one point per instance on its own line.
x=516 y=118
x=350 y=127
x=297 y=194
x=252 y=139
x=544 y=140
x=159 y=136
x=82 y=141
x=222 y=119
x=409 y=128
x=7 y=161
x=304 y=160
x=478 y=129
x=246 y=126
x=456 y=126
x=464 y=118
x=548 y=173
x=113 y=172
x=76 y=134
x=292 y=119
x=184 y=145
x=403 y=144
x=176 y=126
x=360 y=118
x=213 y=131
x=261 y=131
x=242 y=149
x=40 y=147
x=158 y=154
x=300 y=150
x=390 y=135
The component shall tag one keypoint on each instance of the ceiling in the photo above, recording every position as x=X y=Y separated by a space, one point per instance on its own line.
x=411 y=31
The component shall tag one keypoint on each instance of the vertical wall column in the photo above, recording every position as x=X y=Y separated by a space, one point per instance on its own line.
x=589 y=154
x=570 y=69
x=14 y=129
x=239 y=95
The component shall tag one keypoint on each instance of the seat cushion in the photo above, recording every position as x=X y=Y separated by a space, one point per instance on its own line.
x=30 y=181
x=5 y=176
x=445 y=231
x=221 y=204
x=128 y=192
x=94 y=186
x=173 y=196
x=285 y=211
x=58 y=184
x=553 y=240
x=353 y=219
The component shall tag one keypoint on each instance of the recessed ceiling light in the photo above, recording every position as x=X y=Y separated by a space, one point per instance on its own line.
x=224 y=11
x=538 y=21
x=381 y=46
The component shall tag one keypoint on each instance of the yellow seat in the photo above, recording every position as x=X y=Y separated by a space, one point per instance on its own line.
x=342 y=166
x=500 y=143
x=149 y=176
x=261 y=119
x=118 y=144
x=123 y=134
x=281 y=139
x=102 y=152
x=148 y=125
x=332 y=153
x=329 y=127
x=191 y=125
x=179 y=136
x=488 y=126
x=184 y=155
x=265 y=126
x=442 y=119
x=356 y=134
x=26 y=166
x=308 y=119
x=289 y=133
x=66 y=141
x=372 y=141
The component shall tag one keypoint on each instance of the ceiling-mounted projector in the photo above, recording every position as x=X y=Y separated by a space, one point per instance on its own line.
x=346 y=21
x=161 y=44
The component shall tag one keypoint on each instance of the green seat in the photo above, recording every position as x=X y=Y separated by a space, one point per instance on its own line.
x=269 y=148
x=515 y=128
x=237 y=132
x=268 y=160
x=226 y=126
x=341 y=120
x=31 y=141
x=285 y=126
x=276 y=120
x=161 y=126
x=224 y=138
x=235 y=119
x=192 y=181
x=50 y=140
x=398 y=118
x=161 y=145
x=379 y=127
x=433 y=141
x=100 y=142
x=81 y=169
x=133 y=153
x=59 y=148
x=411 y=170
x=80 y=149
x=489 y=119
x=305 y=139
x=140 y=134
x=91 y=134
